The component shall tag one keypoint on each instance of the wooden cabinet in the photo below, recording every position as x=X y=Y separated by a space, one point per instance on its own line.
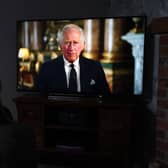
x=83 y=131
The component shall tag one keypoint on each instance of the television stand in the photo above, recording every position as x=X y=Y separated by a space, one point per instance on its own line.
x=83 y=132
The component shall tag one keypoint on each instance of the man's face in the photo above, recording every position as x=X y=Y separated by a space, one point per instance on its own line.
x=72 y=44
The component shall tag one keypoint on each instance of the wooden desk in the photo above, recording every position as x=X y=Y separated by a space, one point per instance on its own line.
x=81 y=131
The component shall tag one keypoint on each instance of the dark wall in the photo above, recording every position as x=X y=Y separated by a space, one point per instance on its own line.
x=11 y=11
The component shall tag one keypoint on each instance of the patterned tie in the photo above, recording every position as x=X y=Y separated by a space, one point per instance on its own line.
x=72 y=79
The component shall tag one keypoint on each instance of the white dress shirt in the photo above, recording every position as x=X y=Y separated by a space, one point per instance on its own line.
x=67 y=68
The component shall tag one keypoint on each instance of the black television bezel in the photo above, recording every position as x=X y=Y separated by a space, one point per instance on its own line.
x=80 y=95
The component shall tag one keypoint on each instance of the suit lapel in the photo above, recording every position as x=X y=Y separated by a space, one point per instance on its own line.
x=62 y=78
x=83 y=76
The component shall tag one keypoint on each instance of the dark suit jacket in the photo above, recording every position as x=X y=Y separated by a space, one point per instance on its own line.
x=52 y=77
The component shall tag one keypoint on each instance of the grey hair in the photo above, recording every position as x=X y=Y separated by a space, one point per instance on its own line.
x=60 y=34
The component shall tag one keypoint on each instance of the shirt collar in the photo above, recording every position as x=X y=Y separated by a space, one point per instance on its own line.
x=67 y=63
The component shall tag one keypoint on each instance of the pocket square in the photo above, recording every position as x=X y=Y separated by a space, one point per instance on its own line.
x=92 y=82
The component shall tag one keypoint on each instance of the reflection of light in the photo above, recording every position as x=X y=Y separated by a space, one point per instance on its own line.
x=23 y=53
x=109 y=24
x=40 y=57
x=89 y=35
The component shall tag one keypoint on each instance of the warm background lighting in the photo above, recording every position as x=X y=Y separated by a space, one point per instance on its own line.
x=23 y=53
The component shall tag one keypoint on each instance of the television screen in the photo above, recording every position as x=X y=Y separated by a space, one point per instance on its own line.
x=116 y=42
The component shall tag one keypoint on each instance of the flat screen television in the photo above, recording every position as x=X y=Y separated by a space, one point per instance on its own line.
x=117 y=42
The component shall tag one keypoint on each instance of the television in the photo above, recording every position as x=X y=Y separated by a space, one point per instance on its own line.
x=118 y=43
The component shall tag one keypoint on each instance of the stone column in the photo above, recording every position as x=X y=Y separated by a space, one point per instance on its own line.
x=114 y=48
x=24 y=41
x=36 y=38
x=108 y=39
x=92 y=35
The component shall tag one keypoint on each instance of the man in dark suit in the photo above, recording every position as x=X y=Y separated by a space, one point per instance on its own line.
x=55 y=75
